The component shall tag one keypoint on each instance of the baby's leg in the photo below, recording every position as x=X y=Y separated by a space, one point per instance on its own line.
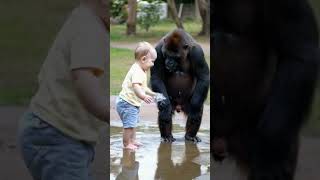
x=134 y=140
x=133 y=137
x=128 y=133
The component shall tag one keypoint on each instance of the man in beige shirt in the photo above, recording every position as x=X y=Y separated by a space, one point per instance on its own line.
x=58 y=133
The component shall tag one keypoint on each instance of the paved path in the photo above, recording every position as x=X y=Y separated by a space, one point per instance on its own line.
x=149 y=112
x=308 y=164
x=12 y=167
x=11 y=163
x=132 y=46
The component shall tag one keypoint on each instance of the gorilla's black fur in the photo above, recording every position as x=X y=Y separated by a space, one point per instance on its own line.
x=180 y=73
x=266 y=59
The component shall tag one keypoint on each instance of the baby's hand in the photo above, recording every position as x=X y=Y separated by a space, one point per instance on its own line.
x=148 y=99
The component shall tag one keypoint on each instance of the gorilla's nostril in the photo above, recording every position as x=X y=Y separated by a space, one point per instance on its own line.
x=178 y=108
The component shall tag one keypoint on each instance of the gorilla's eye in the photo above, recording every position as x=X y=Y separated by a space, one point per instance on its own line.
x=185 y=46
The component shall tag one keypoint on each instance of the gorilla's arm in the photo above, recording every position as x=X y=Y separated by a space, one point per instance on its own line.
x=157 y=73
x=294 y=35
x=201 y=71
x=157 y=76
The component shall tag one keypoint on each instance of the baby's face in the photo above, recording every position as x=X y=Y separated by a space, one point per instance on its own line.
x=149 y=60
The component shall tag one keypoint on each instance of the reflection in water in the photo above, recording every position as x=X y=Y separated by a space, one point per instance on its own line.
x=186 y=170
x=155 y=160
x=129 y=165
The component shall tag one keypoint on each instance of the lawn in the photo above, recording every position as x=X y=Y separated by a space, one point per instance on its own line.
x=118 y=32
x=27 y=32
x=122 y=59
x=120 y=62
x=28 y=29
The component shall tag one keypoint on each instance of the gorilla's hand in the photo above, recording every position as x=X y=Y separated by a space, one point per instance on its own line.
x=163 y=104
x=165 y=110
x=171 y=65
x=159 y=97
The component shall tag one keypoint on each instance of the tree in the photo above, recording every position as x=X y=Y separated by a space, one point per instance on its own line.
x=174 y=14
x=132 y=17
x=204 y=10
x=148 y=14
x=119 y=11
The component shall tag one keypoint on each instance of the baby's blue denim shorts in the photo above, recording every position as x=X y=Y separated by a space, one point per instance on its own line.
x=51 y=155
x=129 y=114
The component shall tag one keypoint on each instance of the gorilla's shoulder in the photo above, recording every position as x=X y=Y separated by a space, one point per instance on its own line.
x=196 y=49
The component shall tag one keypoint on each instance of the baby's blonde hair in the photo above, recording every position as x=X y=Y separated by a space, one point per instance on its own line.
x=143 y=49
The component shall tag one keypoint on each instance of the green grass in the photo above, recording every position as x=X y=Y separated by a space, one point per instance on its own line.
x=120 y=62
x=27 y=31
x=118 y=32
x=16 y=96
x=122 y=59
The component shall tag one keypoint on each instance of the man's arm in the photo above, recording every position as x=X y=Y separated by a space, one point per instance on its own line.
x=87 y=85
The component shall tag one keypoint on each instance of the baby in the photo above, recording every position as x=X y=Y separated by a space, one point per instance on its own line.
x=135 y=91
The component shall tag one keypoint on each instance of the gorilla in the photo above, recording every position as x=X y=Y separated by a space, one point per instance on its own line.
x=187 y=169
x=265 y=65
x=181 y=74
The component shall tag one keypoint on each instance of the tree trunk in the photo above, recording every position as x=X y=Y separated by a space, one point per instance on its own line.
x=204 y=9
x=174 y=14
x=132 y=17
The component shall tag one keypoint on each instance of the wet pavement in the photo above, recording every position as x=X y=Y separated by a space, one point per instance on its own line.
x=12 y=165
x=156 y=160
x=308 y=167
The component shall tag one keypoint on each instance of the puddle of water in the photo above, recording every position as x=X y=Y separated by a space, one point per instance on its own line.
x=156 y=160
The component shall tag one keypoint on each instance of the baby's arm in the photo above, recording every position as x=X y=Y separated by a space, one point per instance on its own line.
x=138 y=90
x=87 y=85
x=158 y=97
x=150 y=92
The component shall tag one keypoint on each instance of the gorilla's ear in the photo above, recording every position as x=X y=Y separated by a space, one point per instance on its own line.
x=165 y=40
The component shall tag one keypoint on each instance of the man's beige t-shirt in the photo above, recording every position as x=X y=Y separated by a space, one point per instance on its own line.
x=82 y=42
x=134 y=75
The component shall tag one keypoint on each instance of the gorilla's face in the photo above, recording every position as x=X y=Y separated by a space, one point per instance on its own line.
x=175 y=51
x=171 y=60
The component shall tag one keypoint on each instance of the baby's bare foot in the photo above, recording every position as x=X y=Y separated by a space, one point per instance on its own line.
x=137 y=143
x=131 y=147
